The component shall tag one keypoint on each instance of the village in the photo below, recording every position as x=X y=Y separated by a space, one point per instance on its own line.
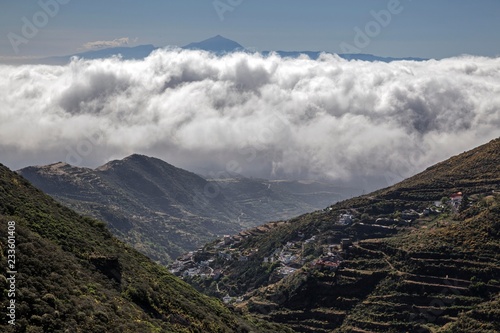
x=290 y=258
x=209 y=263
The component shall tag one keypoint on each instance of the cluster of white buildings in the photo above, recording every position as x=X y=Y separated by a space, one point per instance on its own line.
x=345 y=219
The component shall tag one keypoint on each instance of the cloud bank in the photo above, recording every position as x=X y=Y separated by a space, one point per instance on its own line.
x=102 y=44
x=260 y=116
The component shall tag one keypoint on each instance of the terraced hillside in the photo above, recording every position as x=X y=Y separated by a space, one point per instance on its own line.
x=74 y=276
x=420 y=256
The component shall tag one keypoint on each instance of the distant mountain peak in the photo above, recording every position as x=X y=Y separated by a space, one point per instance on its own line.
x=110 y=165
x=137 y=157
x=139 y=161
x=141 y=158
x=216 y=44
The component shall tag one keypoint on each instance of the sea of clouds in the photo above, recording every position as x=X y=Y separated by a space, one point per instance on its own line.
x=259 y=116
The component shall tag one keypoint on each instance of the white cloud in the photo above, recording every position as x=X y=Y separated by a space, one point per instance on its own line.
x=268 y=117
x=102 y=44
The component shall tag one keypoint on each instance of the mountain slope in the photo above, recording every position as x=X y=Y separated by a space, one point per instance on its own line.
x=73 y=275
x=160 y=209
x=164 y=211
x=216 y=44
x=408 y=258
x=475 y=170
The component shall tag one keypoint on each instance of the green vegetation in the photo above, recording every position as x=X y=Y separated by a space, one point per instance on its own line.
x=74 y=276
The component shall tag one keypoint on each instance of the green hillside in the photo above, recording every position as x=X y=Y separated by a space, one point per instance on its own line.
x=74 y=276
x=413 y=257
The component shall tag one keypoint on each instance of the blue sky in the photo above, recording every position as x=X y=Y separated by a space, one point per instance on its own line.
x=423 y=28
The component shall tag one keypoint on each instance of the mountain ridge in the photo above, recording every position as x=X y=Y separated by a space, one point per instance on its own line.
x=139 y=194
x=217 y=44
x=165 y=211
x=378 y=262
